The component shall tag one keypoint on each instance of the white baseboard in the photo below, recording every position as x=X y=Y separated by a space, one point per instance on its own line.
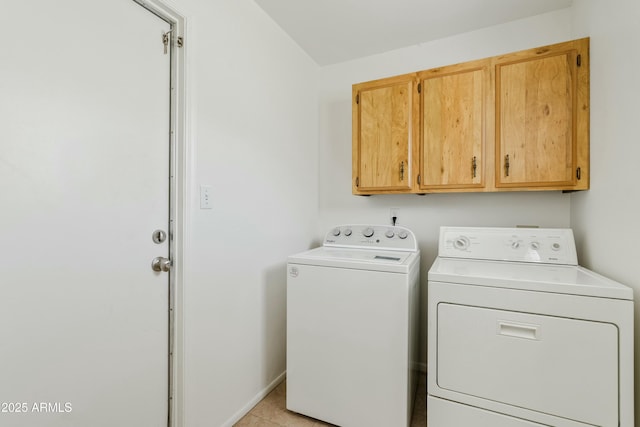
x=253 y=402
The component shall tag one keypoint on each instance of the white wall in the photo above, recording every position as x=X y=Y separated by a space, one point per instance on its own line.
x=605 y=218
x=425 y=214
x=253 y=132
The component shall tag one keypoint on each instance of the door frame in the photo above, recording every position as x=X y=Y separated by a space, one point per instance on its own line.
x=177 y=203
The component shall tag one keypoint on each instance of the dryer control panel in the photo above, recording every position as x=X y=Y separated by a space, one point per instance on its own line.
x=361 y=236
x=536 y=245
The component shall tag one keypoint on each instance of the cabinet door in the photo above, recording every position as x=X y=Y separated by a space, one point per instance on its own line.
x=453 y=127
x=383 y=126
x=540 y=99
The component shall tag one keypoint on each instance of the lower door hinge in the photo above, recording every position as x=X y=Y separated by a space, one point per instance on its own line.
x=357 y=181
x=578 y=173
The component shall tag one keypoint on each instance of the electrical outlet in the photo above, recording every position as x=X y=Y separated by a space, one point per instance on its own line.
x=393 y=213
x=205 y=197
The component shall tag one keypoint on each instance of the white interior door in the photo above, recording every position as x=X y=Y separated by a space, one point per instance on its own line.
x=84 y=181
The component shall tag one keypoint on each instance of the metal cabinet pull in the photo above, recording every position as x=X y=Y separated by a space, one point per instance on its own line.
x=506 y=165
x=402 y=170
x=474 y=166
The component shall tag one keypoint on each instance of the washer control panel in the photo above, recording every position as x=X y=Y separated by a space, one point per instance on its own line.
x=536 y=245
x=385 y=237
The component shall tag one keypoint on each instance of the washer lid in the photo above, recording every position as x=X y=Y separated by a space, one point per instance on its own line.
x=563 y=279
x=361 y=259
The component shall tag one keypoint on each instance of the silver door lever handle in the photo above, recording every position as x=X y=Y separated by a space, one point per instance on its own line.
x=161 y=264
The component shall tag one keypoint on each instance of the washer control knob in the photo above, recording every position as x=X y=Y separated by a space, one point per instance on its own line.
x=403 y=234
x=336 y=232
x=515 y=245
x=347 y=232
x=367 y=232
x=461 y=243
x=535 y=246
x=389 y=233
x=555 y=246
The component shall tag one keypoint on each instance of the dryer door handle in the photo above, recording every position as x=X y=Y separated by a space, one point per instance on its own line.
x=518 y=330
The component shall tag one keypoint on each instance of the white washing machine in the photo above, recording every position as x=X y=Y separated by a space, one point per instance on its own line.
x=520 y=335
x=352 y=311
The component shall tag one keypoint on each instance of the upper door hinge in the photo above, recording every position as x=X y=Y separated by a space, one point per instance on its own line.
x=579 y=60
x=358 y=98
x=419 y=87
x=166 y=39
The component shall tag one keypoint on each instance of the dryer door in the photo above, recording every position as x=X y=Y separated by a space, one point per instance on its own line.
x=557 y=366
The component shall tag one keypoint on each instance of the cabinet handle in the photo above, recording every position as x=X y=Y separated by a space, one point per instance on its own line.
x=506 y=165
x=474 y=166
x=402 y=170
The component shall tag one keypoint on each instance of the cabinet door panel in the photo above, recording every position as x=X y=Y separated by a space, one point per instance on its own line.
x=384 y=140
x=535 y=104
x=453 y=130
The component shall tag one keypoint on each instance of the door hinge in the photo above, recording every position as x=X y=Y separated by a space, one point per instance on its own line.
x=578 y=173
x=419 y=87
x=419 y=180
x=166 y=39
x=357 y=181
x=579 y=60
x=358 y=98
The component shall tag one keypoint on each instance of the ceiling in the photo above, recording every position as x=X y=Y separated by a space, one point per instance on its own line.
x=333 y=31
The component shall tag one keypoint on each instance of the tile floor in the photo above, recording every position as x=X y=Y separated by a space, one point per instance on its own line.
x=271 y=411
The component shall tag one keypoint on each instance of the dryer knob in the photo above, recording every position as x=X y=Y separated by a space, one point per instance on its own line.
x=336 y=232
x=347 y=232
x=367 y=232
x=389 y=233
x=403 y=235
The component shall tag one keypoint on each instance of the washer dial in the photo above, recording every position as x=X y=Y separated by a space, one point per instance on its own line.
x=367 y=232
x=461 y=243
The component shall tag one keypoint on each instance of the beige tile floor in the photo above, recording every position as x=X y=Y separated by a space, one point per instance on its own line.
x=271 y=411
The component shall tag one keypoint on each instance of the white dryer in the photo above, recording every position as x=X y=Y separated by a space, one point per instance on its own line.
x=520 y=335
x=352 y=327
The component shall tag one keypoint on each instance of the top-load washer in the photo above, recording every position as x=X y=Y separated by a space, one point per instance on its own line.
x=352 y=311
x=520 y=335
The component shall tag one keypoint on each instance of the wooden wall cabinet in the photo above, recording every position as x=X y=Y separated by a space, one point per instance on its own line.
x=453 y=112
x=542 y=118
x=384 y=126
x=515 y=122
